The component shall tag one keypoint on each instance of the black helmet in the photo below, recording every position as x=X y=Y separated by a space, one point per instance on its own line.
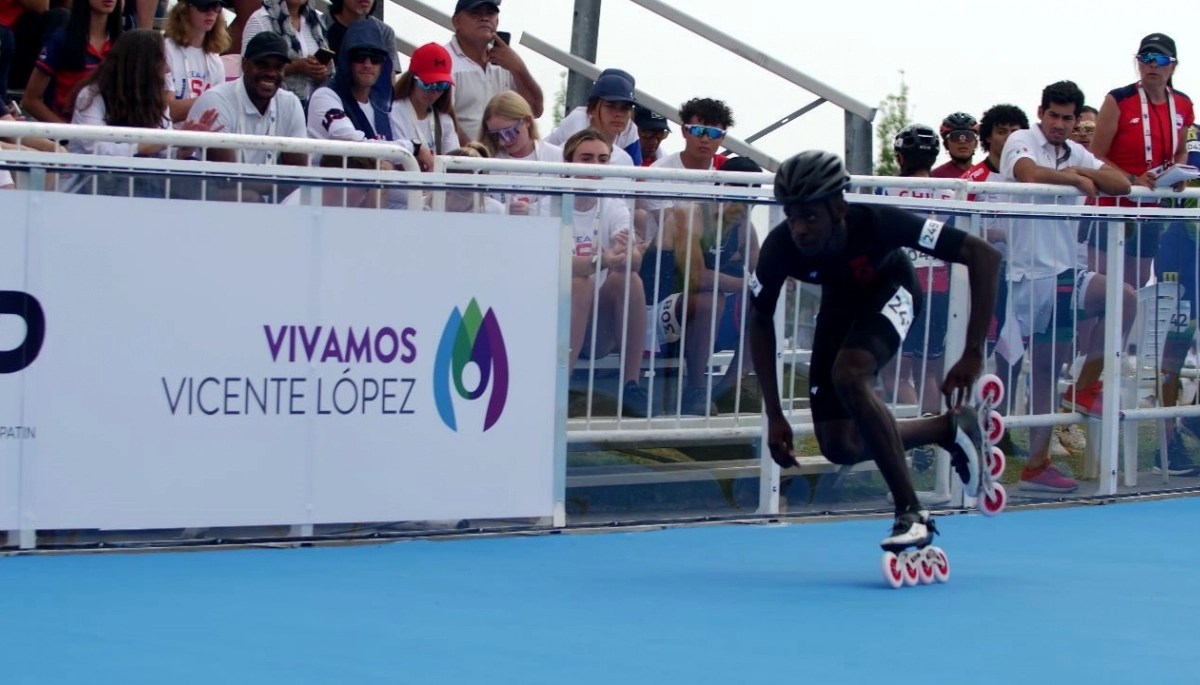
x=959 y=121
x=916 y=138
x=810 y=176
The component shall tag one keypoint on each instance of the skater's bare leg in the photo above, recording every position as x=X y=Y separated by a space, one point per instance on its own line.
x=871 y=431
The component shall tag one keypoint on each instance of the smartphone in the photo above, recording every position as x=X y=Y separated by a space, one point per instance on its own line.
x=325 y=55
x=504 y=36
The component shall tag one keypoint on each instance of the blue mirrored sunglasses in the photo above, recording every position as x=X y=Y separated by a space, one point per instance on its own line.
x=1156 y=58
x=438 y=87
x=712 y=132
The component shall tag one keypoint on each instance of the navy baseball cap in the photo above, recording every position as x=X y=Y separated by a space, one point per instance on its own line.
x=468 y=5
x=614 y=88
x=647 y=119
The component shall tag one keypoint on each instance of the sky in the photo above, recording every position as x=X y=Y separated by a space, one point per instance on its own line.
x=944 y=48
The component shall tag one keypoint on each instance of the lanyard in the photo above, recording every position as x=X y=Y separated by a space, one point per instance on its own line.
x=1146 y=129
x=243 y=104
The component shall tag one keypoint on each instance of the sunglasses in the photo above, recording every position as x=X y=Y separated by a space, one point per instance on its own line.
x=1155 y=58
x=698 y=131
x=962 y=136
x=507 y=136
x=359 y=56
x=435 y=87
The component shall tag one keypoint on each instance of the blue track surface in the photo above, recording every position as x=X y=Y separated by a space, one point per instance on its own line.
x=1083 y=595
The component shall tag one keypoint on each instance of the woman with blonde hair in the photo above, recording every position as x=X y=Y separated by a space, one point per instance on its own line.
x=423 y=105
x=195 y=38
x=465 y=200
x=510 y=132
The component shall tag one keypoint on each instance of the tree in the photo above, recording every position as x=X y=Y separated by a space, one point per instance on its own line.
x=560 y=98
x=894 y=116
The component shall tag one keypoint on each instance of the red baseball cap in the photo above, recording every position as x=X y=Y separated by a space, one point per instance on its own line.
x=431 y=63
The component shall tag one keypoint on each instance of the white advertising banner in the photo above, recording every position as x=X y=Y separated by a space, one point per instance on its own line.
x=17 y=323
x=221 y=365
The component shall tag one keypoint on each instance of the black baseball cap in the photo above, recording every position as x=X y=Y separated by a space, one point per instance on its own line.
x=205 y=4
x=647 y=119
x=266 y=44
x=1158 y=42
x=468 y=5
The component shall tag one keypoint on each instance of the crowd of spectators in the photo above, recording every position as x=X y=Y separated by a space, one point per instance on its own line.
x=657 y=267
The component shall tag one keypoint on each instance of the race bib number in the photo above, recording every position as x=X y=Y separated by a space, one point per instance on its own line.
x=755 y=286
x=930 y=233
x=899 y=311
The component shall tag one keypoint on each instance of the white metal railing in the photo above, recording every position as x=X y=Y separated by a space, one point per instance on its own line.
x=672 y=426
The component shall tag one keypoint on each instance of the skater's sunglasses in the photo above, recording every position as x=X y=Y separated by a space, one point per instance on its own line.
x=1156 y=59
x=963 y=136
x=507 y=136
x=435 y=87
x=698 y=131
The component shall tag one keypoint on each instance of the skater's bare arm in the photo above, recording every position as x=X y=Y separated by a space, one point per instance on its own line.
x=983 y=270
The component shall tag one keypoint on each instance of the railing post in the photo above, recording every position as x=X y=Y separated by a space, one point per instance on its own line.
x=1114 y=352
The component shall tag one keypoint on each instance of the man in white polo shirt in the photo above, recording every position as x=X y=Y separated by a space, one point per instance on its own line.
x=255 y=104
x=484 y=65
x=1049 y=284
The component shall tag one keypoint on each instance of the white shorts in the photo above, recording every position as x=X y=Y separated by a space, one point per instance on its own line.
x=665 y=327
x=1047 y=306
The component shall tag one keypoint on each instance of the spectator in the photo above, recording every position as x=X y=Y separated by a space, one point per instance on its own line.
x=343 y=13
x=423 y=105
x=28 y=23
x=610 y=111
x=652 y=129
x=485 y=66
x=705 y=123
x=195 y=39
x=960 y=136
x=352 y=196
x=920 y=363
x=604 y=277
x=255 y=104
x=309 y=54
x=510 y=132
x=707 y=248
x=357 y=103
x=994 y=129
x=129 y=89
x=1085 y=128
x=1177 y=259
x=1047 y=282
x=579 y=119
x=1140 y=131
x=69 y=54
x=463 y=201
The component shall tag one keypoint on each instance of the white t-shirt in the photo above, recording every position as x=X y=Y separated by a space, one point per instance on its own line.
x=595 y=228
x=1040 y=248
x=327 y=119
x=474 y=86
x=284 y=117
x=655 y=207
x=261 y=21
x=6 y=179
x=406 y=126
x=542 y=152
x=92 y=114
x=191 y=71
x=578 y=120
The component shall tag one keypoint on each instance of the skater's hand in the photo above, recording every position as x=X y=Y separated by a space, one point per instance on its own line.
x=779 y=440
x=957 y=386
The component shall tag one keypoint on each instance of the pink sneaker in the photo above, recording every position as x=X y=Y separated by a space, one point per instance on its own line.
x=1046 y=479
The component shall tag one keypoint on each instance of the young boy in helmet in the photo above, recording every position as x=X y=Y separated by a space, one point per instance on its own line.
x=869 y=299
x=960 y=135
